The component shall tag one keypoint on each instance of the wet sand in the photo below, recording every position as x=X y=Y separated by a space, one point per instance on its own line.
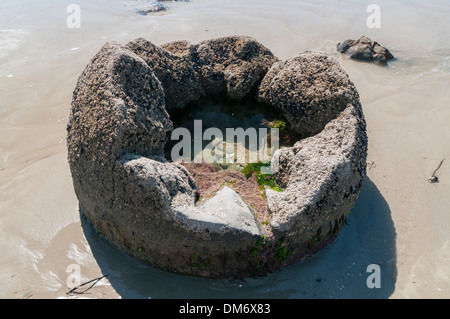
x=400 y=221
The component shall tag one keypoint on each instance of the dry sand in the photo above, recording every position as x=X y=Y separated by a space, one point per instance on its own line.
x=400 y=222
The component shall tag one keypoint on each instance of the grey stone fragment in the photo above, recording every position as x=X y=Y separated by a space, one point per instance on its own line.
x=229 y=207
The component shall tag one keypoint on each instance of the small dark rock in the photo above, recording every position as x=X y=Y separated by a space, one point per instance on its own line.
x=364 y=49
x=433 y=179
x=158 y=7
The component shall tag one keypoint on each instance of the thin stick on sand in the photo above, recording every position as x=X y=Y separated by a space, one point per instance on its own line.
x=433 y=178
x=96 y=280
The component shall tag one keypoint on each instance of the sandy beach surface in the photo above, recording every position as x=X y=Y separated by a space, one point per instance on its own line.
x=401 y=222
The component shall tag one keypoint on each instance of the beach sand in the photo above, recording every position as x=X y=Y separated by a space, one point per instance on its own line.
x=400 y=222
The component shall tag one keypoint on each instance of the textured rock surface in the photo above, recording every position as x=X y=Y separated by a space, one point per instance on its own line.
x=321 y=175
x=232 y=65
x=117 y=107
x=310 y=89
x=141 y=203
x=365 y=49
x=321 y=181
x=148 y=207
x=178 y=75
x=229 y=65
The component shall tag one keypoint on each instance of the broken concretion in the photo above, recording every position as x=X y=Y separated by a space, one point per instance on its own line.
x=146 y=205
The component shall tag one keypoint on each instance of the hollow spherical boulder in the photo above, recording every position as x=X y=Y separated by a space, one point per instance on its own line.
x=147 y=206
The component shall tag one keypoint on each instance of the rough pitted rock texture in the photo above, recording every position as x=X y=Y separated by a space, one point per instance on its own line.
x=178 y=75
x=320 y=180
x=321 y=175
x=310 y=89
x=147 y=206
x=231 y=65
x=365 y=49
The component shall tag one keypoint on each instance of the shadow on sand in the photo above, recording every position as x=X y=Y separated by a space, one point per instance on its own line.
x=338 y=271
